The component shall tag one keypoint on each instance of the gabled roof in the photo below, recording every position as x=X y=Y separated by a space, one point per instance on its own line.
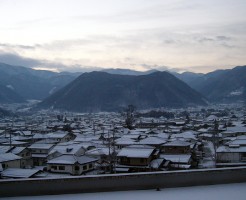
x=226 y=149
x=17 y=150
x=19 y=173
x=163 y=135
x=82 y=138
x=9 y=157
x=67 y=149
x=98 y=151
x=41 y=146
x=237 y=129
x=152 y=141
x=176 y=143
x=4 y=149
x=58 y=134
x=124 y=141
x=240 y=142
x=71 y=159
x=14 y=142
x=186 y=134
x=135 y=153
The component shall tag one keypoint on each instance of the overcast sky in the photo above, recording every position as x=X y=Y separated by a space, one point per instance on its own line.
x=183 y=35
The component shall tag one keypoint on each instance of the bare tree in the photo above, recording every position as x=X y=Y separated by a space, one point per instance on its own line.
x=130 y=118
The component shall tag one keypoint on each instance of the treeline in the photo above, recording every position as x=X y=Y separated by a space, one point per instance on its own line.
x=156 y=114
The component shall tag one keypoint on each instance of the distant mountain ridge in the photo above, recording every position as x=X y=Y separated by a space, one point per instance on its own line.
x=20 y=83
x=7 y=95
x=101 y=91
x=222 y=86
x=225 y=86
x=187 y=77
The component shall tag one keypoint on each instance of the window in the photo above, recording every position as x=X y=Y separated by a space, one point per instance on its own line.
x=3 y=165
x=141 y=160
x=54 y=167
x=77 y=168
x=85 y=167
x=90 y=166
x=243 y=157
x=61 y=167
x=124 y=159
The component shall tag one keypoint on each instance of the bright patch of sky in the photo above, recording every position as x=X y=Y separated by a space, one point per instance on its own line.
x=194 y=35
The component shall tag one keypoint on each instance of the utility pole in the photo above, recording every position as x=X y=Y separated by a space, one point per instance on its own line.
x=10 y=133
x=114 y=159
x=215 y=135
x=109 y=153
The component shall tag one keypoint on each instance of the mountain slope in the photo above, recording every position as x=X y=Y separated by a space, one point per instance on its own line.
x=188 y=77
x=219 y=86
x=225 y=86
x=32 y=84
x=7 y=95
x=100 y=91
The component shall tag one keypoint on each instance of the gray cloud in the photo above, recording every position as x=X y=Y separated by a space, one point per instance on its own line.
x=17 y=60
x=161 y=68
x=223 y=38
x=214 y=39
x=220 y=40
x=14 y=59
x=6 y=45
x=205 y=39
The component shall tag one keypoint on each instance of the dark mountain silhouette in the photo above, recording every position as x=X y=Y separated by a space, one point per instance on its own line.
x=100 y=91
x=7 y=95
x=222 y=85
x=225 y=85
x=188 y=77
x=5 y=113
x=30 y=84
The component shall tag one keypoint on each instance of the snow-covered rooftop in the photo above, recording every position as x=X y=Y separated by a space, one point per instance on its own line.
x=71 y=159
x=8 y=157
x=135 y=153
x=19 y=173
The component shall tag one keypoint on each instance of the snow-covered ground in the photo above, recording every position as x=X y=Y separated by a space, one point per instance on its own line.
x=212 y=192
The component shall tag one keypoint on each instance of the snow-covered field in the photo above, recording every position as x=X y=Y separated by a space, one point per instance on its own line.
x=213 y=192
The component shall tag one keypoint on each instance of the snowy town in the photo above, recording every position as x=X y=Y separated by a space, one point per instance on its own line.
x=49 y=144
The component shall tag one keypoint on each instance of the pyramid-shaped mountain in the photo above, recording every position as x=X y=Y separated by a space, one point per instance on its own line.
x=101 y=91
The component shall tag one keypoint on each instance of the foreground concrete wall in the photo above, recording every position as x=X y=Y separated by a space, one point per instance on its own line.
x=137 y=181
